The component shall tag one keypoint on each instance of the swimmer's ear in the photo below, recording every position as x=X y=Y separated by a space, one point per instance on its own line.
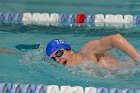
x=27 y=47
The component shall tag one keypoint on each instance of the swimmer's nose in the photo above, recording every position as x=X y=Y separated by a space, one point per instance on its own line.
x=58 y=59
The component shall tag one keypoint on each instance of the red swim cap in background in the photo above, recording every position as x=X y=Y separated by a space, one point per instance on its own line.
x=80 y=18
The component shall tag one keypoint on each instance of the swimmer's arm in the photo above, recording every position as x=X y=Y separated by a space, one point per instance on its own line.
x=5 y=50
x=109 y=42
x=121 y=43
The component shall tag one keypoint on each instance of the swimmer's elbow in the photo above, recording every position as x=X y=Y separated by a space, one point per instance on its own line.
x=117 y=36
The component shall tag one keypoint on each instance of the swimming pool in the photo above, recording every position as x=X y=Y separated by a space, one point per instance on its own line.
x=31 y=68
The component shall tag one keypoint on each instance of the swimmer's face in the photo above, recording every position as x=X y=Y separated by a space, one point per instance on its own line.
x=62 y=56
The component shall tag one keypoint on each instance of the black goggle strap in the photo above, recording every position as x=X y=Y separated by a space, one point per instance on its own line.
x=53 y=58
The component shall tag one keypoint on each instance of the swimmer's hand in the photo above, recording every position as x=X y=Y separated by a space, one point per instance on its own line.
x=137 y=59
x=5 y=50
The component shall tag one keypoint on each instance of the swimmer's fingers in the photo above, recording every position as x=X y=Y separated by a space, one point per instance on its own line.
x=137 y=60
x=21 y=53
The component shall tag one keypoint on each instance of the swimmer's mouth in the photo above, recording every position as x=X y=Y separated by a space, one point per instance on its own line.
x=65 y=62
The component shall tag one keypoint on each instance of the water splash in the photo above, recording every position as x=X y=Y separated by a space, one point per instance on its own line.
x=91 y=68
x=127 y=69
x=34 y=56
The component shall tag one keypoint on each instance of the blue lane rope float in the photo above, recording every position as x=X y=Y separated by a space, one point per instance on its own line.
x=18 y=17
x=16 y=88
x=137 y=19
x=71 y=18
x=31 y=88
x=8 y=17
x=1 y=16
x=5 y=88
x=102 y=90
x=89 y=19
x=63 y=18
x=41 y=89
x=55 y=19
x=28 y=88
x=11 y=17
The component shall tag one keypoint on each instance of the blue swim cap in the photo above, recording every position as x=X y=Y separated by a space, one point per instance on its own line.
x=56 y=44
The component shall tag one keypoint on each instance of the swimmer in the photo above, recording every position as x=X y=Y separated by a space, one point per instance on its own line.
x=93 y=51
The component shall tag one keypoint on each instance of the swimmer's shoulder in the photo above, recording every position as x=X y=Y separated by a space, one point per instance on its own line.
x=87 y=49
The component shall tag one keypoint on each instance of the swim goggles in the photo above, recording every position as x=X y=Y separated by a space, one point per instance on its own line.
x=58 y=53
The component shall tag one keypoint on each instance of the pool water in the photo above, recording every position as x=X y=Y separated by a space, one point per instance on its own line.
x=31 y=68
